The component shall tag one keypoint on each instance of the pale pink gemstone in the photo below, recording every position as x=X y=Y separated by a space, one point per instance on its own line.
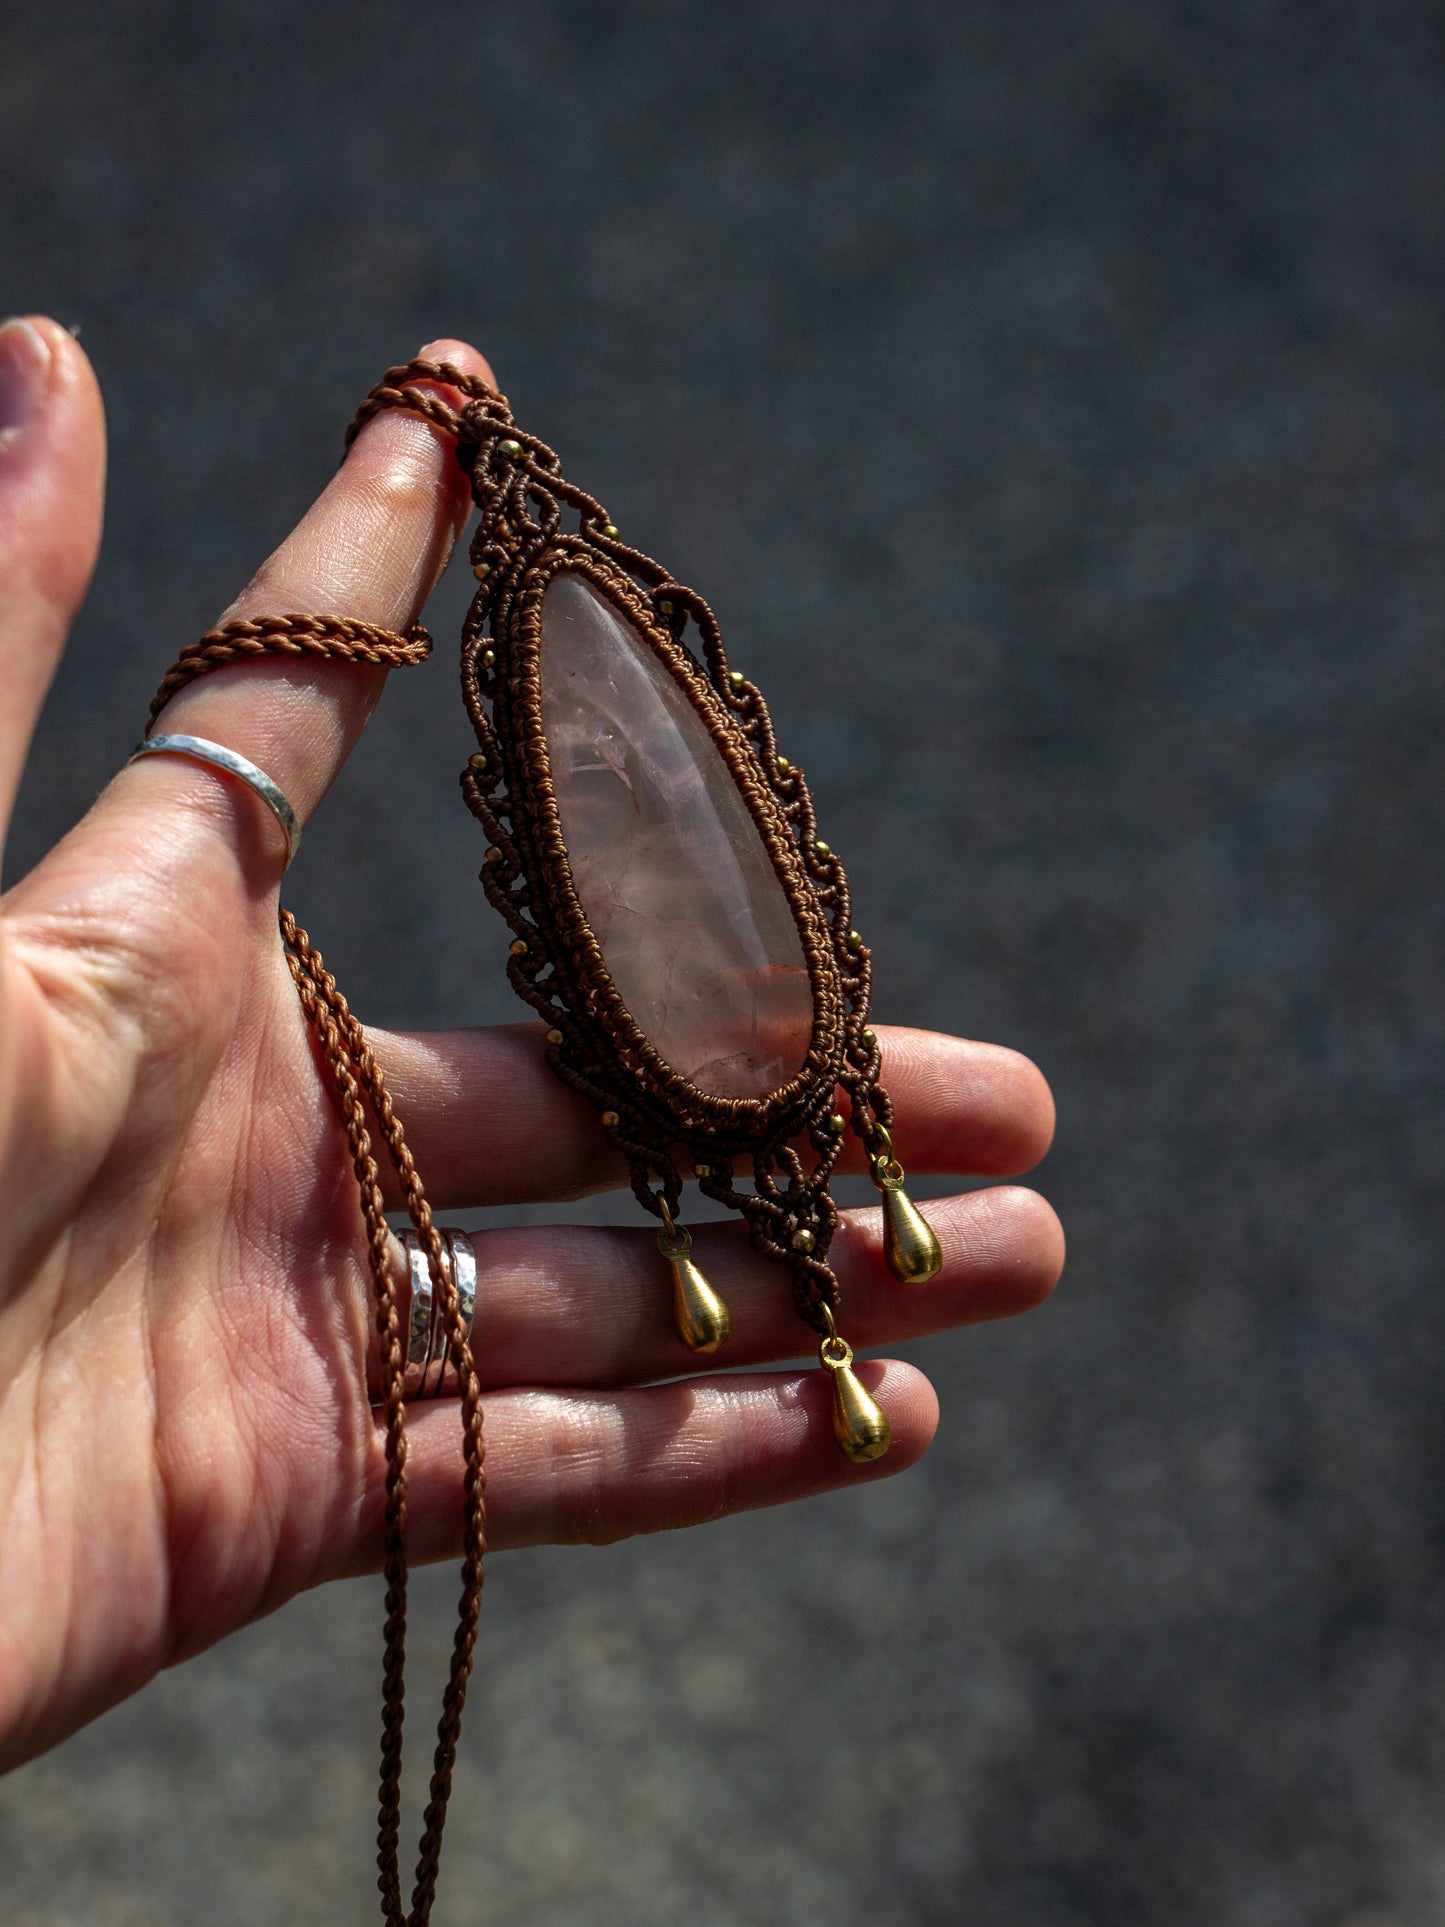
x=667 y=861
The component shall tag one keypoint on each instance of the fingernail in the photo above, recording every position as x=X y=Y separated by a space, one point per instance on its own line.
x=24 y=375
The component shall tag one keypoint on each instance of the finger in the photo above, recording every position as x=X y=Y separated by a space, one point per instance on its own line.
x=582 y=1305
x=371 y=549
x=52 y=484
x=962 y=1109
x=568 y=1468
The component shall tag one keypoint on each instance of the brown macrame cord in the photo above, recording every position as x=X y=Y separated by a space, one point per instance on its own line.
x=363 y=1100
x=519 y=545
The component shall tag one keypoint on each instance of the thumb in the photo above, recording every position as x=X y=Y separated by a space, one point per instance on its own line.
x=52 y=483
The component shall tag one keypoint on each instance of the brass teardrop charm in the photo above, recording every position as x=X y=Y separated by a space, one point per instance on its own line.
x=703 y=1321
x=910 y=1246
x=859 y=1422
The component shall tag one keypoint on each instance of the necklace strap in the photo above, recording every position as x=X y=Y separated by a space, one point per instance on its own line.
x=366 y=1110
x=302 y=637
x=398 y=388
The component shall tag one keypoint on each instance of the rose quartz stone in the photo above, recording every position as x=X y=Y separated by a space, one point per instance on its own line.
x=666 y=859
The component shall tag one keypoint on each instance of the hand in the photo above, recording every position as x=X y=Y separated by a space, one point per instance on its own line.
x=185 y=1433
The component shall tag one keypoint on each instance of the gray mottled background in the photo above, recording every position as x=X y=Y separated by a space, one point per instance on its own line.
x=1049 y=396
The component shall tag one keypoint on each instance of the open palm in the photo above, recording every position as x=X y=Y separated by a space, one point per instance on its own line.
x=186 y=1437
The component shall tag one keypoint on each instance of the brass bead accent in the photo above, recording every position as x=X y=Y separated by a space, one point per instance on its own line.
x=610 y=528
x=837 y=1124
x=489 y=659
x=870 y=1038
x=510 y=449
x=518 y=946
x=481 y=570
x=666 y=609
x=477 y=760
x=736 y=678
x=783 y=766
x=554 y=1036
x=494 y=855
x=853 y=940
x=859 y=1423
x=702 y=1170
x=610 y=1119
x=803 y=1239
x=822 y=848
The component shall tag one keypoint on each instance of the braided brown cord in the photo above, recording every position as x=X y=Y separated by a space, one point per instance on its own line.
x=314 y=638
x=397 y=389
x=359 y=1084
x=356 y=1072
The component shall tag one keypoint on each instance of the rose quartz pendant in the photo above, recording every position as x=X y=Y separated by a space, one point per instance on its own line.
x=677 y=920
x=668 y=865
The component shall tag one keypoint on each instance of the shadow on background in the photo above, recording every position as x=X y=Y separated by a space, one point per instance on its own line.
x=1048 y=397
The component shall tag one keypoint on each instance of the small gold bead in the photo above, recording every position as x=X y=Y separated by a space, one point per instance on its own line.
x=554 y=1036
x=783 y=766
x=510 y=449
x=853 y=940
x=666 y=609
x=518 y=947
x=870 y=1038
x=736 y=678
x=477 y=760
x=610 y=528
x=822 y=848
x=489 y=659
x=702 y=1170
x=610 y=1118
x=494 y=855
x=837 y=1124
x=803 y=1240
x=481 y=570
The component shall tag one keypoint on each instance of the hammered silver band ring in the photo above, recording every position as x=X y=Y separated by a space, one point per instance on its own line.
x=200 y=749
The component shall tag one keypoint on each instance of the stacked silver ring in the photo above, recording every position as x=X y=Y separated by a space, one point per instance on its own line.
x=426 y=1347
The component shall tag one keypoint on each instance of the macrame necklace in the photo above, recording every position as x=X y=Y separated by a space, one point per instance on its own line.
x=678 y=923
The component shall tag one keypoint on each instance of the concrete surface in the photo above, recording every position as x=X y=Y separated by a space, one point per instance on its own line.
x=1050 y=399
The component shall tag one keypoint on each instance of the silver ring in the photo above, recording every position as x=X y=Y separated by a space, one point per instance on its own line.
x=201 y=750
x=426 y=1346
